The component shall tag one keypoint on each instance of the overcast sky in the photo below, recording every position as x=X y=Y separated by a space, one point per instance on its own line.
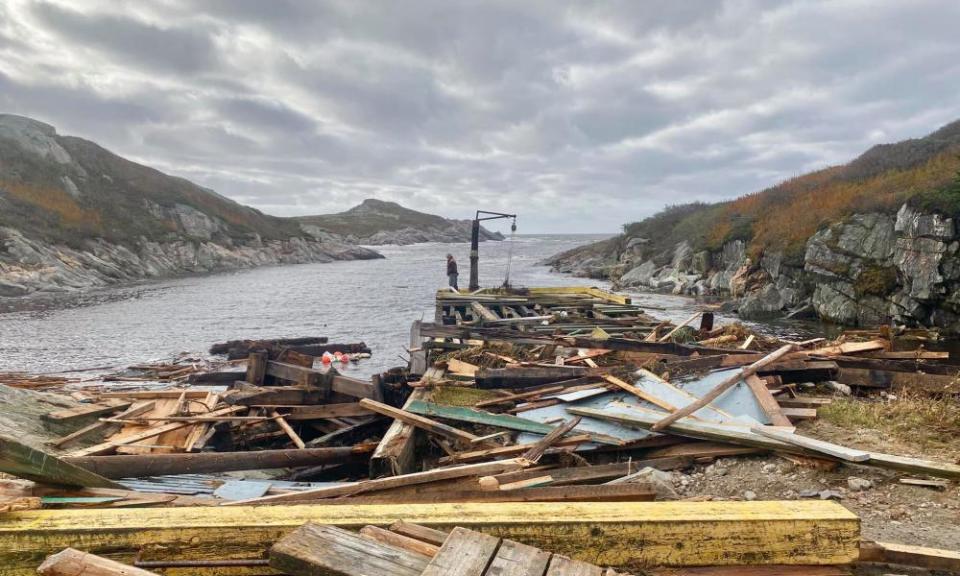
x=579 y=116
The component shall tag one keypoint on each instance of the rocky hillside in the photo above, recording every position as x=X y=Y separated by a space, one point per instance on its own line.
x=858 y=244
x=74 y=215
x=375 y=223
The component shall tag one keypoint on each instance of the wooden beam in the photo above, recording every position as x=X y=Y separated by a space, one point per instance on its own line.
x=256 y=368
x=620 y=534
x=141 y=465
x=907 y=555
x=766 y=401
x=287 y=429
x=85 y=411
x=29 y=463
x=422 y=422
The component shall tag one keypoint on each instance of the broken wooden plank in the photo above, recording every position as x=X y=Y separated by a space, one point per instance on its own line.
x=391 y=538
x=766 y=401
x=620 y=534
x=516 y=559
x=287 y=429
x=85 y=411
x=418 y=532
x=104 y=428
x=418 y=421
x=464 y=553
x=534 y=454
x=819 y=446
x=563 y=566
x=395 y=453
x=314 y=549
x=354 y=488
x=907 y=555
x=71 y=562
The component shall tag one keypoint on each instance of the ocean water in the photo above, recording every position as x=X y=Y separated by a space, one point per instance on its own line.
x=374 y=301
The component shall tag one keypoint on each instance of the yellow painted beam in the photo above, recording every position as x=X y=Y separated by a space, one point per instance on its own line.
x=622 y=534
x=607 y=295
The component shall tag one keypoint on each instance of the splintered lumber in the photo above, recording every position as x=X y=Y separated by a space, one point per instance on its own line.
x=103 y=428
x=399 y=541
x=29 y=463
x=421 y=422
x=314 y=550
x=395 y=453
x=720 y=388
x=85 y=411
x=535 y=453
x=906 y=555
x=619 y=534
x=518 y=396
x=354 y=488
x=274 y=396
x=287 y=429
x=111 y=445
x=484 y=313
x=766 y=401
x=71 y=562
x=526 y=376
x=464 y=553
x=497 y=420
x=142 y=465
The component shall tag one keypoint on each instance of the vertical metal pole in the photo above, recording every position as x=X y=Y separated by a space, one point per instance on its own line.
x=475 y=255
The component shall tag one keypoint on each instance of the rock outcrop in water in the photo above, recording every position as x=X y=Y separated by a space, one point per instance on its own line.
x=900 y=261
x=376 y=223
x=73 y=215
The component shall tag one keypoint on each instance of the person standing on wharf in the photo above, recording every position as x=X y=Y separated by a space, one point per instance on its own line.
x=452 y=272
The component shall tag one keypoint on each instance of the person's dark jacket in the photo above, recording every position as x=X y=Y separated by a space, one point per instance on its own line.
x=451 y=267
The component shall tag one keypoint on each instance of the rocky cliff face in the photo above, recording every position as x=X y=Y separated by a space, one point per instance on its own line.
x=865 y=270
x=73 y=215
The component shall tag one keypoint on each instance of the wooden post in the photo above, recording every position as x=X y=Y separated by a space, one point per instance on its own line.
x=256 y=368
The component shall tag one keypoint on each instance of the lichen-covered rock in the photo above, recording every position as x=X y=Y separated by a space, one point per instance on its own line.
x=641 y=275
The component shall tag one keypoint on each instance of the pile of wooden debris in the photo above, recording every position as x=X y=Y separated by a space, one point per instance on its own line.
x=530 y=427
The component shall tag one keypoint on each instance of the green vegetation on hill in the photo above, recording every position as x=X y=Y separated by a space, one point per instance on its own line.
x=923 y=171
x=97 y=194
x=373 y=216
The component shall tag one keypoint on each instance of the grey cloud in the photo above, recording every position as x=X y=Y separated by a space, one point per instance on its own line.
x=608 y=111
x=151 y=45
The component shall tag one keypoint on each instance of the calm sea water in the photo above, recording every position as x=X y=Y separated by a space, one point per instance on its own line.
x=374 y=301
